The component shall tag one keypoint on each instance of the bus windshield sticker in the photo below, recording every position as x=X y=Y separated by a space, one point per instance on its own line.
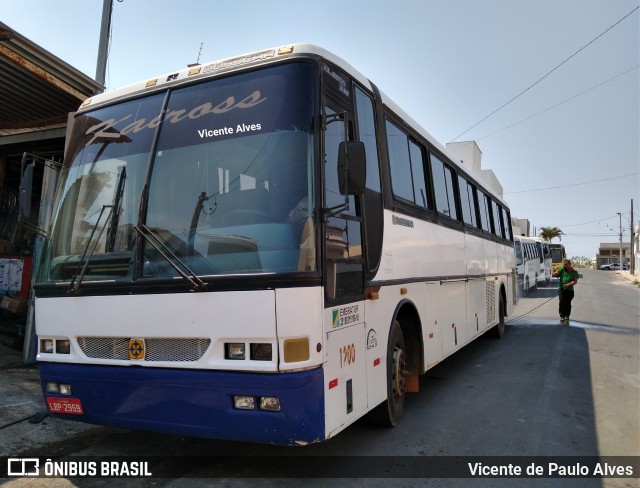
x=341 y=82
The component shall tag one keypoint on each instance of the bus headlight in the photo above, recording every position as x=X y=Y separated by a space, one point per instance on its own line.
x=57 y=346
x=57 y=388
x=261 y=352
x=234 y=350
x=244 y=402
x=63 y=346
x=46 y=346
x=270 y=403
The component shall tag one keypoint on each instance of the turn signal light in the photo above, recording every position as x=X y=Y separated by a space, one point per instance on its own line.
x=296 y=350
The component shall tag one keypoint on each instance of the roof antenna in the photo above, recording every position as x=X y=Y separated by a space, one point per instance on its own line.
x=197 y=63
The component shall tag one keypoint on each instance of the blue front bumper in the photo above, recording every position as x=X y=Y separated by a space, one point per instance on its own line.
x=195 y=403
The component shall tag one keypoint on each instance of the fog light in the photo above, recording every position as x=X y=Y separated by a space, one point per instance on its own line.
x=235 y=350
x=270 y=403
x=63 y=346
x=46 y=346
x=244 y=402
x=51 y=387
x=261 y=352
x=65 y=389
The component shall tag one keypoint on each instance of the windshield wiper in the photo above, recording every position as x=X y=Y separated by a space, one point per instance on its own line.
x=196 y=283
x=113 y=217
x=195 y=217
x=74 y=286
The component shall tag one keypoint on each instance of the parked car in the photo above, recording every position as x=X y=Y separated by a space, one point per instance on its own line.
x=614 y=266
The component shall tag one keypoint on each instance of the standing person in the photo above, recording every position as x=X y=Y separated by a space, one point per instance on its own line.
x=568 y=279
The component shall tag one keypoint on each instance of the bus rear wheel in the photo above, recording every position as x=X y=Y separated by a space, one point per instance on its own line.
x=498 y=330
x=389 y=413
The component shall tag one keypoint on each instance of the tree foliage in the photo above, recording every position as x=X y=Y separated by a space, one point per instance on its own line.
x=549 y=233
x=582 y=262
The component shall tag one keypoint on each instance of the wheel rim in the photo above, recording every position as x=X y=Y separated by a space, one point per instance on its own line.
x=398 y=381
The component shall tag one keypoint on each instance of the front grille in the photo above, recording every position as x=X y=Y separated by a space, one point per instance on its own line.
x=156 y=348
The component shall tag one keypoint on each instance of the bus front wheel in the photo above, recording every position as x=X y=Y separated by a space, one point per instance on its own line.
x=389 y=413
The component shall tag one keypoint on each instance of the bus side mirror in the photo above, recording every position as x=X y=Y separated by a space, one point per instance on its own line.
x=352 y=168
x=26 y=183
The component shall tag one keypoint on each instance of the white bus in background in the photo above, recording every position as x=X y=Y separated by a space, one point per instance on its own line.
x=527 y=263
x=544 y=255
x=220 y=265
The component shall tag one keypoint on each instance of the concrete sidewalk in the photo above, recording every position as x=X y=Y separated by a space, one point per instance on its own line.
x=25 y=425
x=628 y=276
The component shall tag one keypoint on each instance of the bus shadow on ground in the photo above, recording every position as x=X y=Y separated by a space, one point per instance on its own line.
x=528 y=394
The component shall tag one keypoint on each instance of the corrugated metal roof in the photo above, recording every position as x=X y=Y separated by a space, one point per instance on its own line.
x=37 y=88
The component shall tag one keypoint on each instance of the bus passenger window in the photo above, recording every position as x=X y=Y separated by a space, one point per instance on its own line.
x=400 y=163
x=498 y=229
x=483 y=211
x=444 y=189
x=468 y=201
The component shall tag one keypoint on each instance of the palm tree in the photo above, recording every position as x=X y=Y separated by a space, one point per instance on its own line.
x=548 y=233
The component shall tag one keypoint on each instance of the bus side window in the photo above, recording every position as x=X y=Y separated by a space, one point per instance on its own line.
x=467 y=201
x=483 y=211
x=498 y=229
x=367 y=134
x=444 y=188
x=507 y=227
x=399 y=163
x=406 y=163
x=417 y=169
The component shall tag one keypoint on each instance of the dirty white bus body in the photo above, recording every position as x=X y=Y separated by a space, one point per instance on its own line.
x=262 y=248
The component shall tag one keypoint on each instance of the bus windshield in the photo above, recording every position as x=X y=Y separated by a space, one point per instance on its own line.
x=557 y=254
x=224 y=182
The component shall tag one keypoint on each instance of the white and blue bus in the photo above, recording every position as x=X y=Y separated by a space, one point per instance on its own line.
x=263 y=248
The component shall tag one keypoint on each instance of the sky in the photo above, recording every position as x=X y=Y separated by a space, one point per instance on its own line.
x=566 y=148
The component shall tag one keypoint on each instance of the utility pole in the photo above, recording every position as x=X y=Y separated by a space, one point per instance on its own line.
x=103 y=46
x=620 y=264
x=632 y=256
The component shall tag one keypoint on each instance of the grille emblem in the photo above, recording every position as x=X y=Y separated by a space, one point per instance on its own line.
x=136 y=349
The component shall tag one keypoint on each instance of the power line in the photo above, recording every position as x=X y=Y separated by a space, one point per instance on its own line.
x=574 y=184
x=611 y=234
x=554 y=69
x=591 y=222
x=557 y=104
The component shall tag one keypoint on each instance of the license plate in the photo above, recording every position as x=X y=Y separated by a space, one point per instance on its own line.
x=65 y=405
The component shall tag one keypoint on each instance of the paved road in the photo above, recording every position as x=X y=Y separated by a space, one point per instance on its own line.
x=542 y=390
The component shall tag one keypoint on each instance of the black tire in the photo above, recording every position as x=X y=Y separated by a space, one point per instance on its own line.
x=498 y=330
x=389 y=413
